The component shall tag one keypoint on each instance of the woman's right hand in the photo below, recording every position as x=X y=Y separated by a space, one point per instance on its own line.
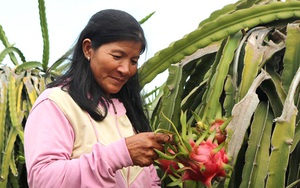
x=141 y=147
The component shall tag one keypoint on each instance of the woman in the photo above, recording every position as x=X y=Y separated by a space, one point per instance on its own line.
x=82 y=130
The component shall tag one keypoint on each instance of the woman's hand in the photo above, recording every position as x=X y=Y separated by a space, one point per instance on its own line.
x=141 y=147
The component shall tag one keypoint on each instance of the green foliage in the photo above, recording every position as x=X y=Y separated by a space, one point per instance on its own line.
x=216 y=30
x=241 y=63
x=19 y=88
x=18 y=93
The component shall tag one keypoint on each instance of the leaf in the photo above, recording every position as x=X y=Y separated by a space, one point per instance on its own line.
x=215 y=31
x=172 y=91
x=28 y=65
x=216 y=85
x=253 y=59
x=5 y=42
x=45 y=35
x=282 y=137
x=292 y=56
x=296 y=139
x=257 y=155
x=293 y=168
x=146 y=18
x=9 y=50
x=229 y=96
x=7 y=156
x=242 y=113
x=3 y=111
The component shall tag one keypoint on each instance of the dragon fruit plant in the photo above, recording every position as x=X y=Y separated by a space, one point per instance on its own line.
x=197 y=153
x=242 y=62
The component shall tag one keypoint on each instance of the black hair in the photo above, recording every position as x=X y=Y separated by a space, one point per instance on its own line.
x=104 y=27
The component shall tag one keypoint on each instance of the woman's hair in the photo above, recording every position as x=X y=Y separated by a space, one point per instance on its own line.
x=104 y=27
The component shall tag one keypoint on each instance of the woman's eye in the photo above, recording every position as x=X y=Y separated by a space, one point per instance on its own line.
x=116 y=56
x=134 y=62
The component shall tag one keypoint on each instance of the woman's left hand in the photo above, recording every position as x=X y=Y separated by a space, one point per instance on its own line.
x=141 y=147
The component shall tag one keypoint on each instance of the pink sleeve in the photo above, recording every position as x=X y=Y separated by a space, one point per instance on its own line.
x=48 y=147
x=156 y=181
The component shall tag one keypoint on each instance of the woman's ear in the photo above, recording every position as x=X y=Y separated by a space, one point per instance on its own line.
x=87 y=48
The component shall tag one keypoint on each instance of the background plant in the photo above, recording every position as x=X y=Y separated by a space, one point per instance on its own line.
x=20 y=85
x=241 y=62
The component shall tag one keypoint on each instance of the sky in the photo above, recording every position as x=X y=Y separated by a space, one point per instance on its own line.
x=66 y=18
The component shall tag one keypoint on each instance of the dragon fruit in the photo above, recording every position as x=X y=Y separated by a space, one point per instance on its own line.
x=168 y=166
x=220 y=134
x=198 y=156
x=210 y=161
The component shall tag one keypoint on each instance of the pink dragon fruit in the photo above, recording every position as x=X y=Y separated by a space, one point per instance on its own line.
x=220 y=134
x=210 y=162
x=198 y=157
x=168 y=166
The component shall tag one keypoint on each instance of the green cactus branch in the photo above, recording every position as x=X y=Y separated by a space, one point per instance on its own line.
x=5 y=42
x=214 y=31
x=256 y=167
x=242 y=113
x=44 y=28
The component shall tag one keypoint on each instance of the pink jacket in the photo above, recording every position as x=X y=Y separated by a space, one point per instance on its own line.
x=64 y=147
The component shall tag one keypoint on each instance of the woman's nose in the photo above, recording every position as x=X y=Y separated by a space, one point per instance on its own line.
x=124 y=68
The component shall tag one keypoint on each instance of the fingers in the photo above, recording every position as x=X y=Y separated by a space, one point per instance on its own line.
x=142 y=147
x=163 y=138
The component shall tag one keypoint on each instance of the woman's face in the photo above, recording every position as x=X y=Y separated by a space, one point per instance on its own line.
x=112 y=64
